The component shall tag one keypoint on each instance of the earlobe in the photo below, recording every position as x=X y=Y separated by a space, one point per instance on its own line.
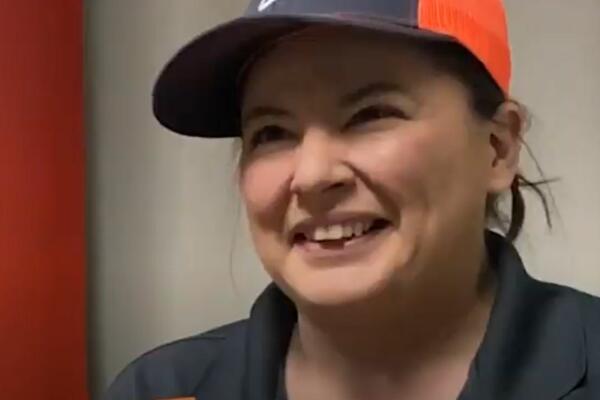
x=506 y=141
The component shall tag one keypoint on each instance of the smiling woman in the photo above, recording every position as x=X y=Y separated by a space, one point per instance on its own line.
x=344 y=150
x=376 y=138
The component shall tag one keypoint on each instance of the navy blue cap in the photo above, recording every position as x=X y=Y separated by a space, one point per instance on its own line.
x=197 y=93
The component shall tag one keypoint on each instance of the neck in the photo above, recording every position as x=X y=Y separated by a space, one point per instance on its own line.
x=407 y=338
x=434 y=331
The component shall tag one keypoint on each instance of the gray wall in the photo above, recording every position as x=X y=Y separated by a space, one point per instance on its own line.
x=169 y=255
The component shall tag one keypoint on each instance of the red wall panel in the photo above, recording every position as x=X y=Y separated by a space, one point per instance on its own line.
x=42 y=270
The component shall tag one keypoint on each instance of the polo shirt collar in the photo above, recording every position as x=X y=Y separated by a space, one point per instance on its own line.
x=533 y=348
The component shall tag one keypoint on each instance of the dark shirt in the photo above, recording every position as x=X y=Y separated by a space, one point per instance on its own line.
x=542 y=343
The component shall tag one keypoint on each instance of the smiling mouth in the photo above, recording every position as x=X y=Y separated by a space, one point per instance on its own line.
x=339 y=236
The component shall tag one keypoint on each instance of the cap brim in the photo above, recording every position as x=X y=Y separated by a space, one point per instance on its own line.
x=196 y=94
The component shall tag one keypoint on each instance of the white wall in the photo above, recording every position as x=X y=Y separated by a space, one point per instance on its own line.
x=162 y=208
x=557 y=58
x=167 y=255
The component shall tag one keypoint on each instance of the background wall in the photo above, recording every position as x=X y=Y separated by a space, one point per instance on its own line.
x=169 y=255
x=42 y=242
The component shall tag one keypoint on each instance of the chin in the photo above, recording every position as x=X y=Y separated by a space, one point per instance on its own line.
x=338 y=286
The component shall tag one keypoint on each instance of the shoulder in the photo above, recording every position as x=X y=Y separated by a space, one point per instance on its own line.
x=590 y=316
x=175 y=368
x=587 y=305
x=586 y=308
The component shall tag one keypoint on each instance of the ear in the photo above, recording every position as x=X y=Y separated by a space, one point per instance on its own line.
x=505 y=140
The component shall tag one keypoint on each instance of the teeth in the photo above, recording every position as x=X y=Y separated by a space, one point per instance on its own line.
x=339 y=231
x=348 y=231
x=320 y=234
x=335 y=232
x=359 y=228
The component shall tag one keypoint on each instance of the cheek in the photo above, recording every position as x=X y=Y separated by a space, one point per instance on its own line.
x=402 y=163
x=263 y=185
x=420 y=166
x=443 y=169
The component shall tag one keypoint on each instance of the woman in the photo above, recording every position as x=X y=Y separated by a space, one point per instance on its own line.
x=376 y=138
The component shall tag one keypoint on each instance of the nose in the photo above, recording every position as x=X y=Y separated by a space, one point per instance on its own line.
x=321 y=168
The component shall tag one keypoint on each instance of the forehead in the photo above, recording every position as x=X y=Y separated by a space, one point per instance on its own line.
x=335 y=58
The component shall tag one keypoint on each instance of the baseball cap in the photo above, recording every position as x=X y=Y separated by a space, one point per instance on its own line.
x=197 y=92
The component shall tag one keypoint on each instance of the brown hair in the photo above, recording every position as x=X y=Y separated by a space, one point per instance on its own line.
x=486 y=97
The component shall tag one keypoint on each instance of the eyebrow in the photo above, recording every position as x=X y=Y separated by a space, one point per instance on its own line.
x=264 y=111
x=372 y=89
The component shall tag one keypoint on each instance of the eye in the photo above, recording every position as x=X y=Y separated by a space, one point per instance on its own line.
x=375 y=113
x=268 y=134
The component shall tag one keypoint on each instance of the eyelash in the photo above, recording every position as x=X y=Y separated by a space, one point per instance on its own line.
x=257 y=138
x=365 y=115
x=375 y=112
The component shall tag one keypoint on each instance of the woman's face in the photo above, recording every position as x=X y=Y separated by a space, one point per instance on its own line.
x=364 y=169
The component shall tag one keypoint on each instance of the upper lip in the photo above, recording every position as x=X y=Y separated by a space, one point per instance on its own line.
x=308 y=225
